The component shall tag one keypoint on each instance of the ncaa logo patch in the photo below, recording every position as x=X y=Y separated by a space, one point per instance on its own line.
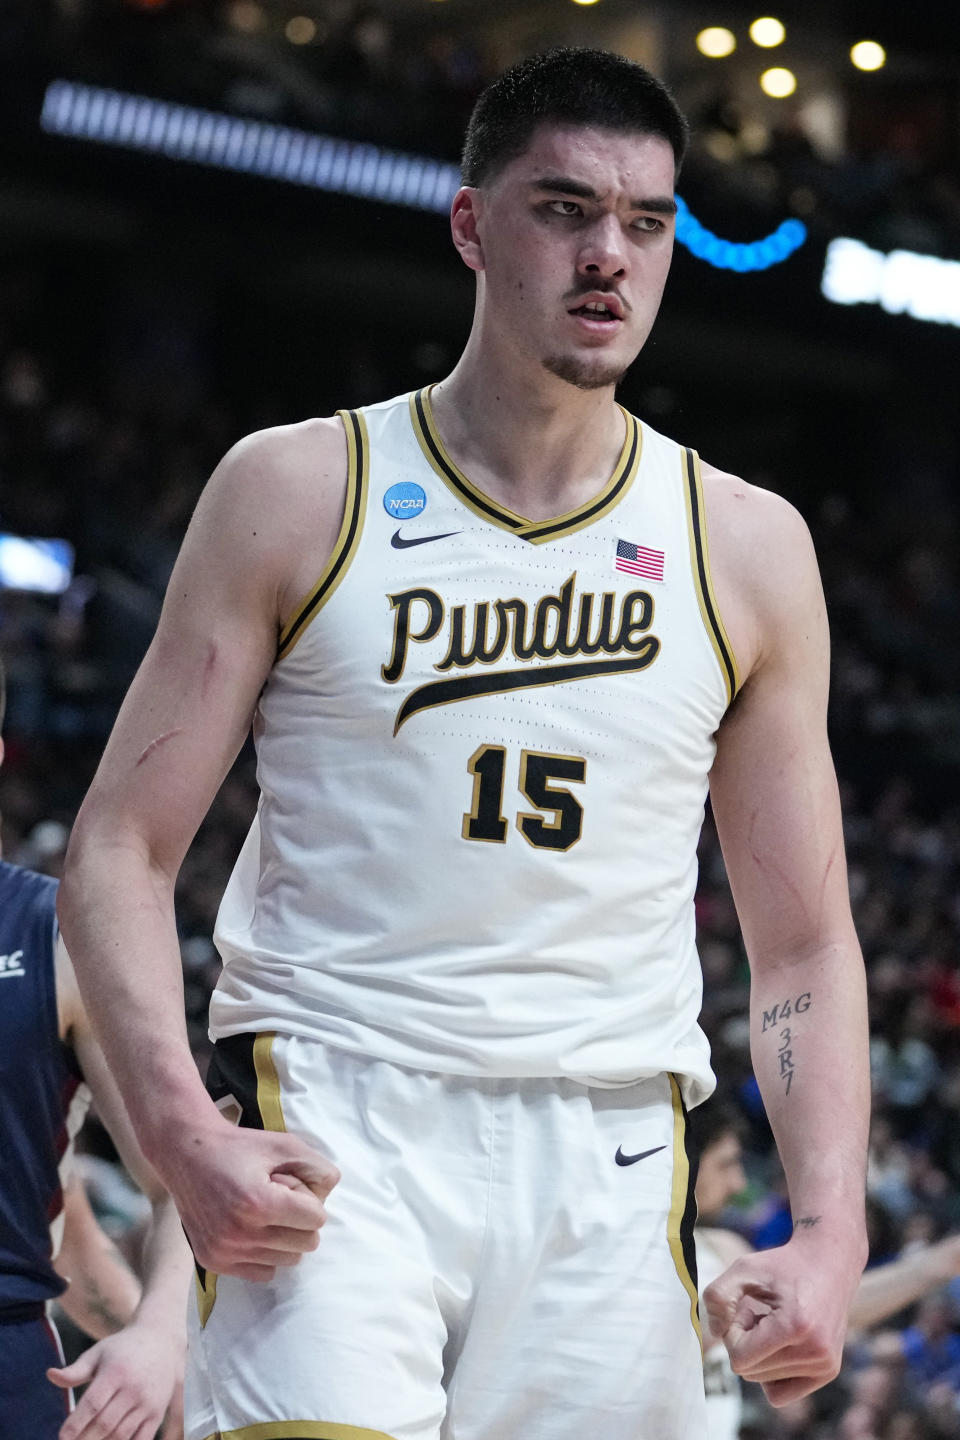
x=405 y=501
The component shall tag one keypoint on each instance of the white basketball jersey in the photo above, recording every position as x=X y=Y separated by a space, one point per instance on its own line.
x=483 y=755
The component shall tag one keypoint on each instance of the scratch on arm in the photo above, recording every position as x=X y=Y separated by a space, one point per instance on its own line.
x=770 y=868
x=160 y=740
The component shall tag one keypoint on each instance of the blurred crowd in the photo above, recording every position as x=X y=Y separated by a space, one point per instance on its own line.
x=111 y=457
x=119 y=479
x=875 y=159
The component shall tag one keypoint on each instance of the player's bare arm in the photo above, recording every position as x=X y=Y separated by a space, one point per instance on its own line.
x=256 y=546
x=103 y=1291
x=134 y=1376
x=887 y=1289
x=774 y=795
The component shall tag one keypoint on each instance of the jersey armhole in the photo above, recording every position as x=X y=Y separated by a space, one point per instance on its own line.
x=351 y=528
x=703 y=582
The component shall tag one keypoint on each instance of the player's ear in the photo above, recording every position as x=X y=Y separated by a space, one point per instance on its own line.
x=464 y=226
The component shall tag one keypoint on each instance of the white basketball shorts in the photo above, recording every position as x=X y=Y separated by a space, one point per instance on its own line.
x=502 y=1260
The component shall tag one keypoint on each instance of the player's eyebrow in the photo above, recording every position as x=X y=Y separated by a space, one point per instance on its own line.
x=564 y=185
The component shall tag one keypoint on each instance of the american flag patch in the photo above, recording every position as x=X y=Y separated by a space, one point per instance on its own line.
x=640 y=560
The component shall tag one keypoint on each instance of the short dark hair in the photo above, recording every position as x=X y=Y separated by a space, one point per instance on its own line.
x=567 y=87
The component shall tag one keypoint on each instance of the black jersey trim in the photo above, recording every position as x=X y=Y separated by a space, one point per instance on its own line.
x=535 y=531
x=701 y=574
x=683 y=1207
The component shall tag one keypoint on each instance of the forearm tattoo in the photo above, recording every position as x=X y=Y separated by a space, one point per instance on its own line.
x=774 y=1018
x=806 y=1222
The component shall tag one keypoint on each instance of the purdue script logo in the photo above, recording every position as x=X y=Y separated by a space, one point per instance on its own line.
x=562 y=625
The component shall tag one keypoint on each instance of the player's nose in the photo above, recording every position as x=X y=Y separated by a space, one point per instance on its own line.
x=604 y=250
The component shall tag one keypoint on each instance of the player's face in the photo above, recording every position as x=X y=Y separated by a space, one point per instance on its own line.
x=720 y=1176
x=576 y=237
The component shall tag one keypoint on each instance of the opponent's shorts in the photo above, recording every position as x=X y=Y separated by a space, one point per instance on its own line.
x=30 y=1406
x=502 y=1260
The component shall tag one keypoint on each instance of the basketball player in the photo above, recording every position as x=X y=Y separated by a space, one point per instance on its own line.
x=50 y=1065
x=883 y=1291
x=496 y=637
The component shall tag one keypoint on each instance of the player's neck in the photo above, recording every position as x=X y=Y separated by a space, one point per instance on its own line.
x=535 y=443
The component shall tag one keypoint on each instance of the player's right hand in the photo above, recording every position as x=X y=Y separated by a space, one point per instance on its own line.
x=782 y=1315
x=249 y=1200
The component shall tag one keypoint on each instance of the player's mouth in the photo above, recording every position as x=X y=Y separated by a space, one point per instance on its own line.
x=601 y=315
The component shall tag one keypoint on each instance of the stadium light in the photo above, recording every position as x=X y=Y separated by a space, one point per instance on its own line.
x=716 y=42
x=734 y=254
x=767 y=32
x=778 y=82
x=868 y=55
x=902 y=283
x=300 y=30
x=246 y=16
x=342 y=167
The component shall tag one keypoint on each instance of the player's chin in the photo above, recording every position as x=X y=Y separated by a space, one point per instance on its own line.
x=587 y=370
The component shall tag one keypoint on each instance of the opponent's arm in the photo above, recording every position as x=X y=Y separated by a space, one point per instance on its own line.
x=257 y=543
x=776 y=805
x=103 y=1292
x=134 y=1376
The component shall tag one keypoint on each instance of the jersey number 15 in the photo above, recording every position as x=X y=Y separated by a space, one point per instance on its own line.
x=561 y=824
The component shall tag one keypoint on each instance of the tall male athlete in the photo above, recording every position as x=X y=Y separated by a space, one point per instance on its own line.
x=50 y=1065
x=492 y=667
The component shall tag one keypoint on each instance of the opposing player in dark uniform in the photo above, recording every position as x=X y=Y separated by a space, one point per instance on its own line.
x=50 y=1064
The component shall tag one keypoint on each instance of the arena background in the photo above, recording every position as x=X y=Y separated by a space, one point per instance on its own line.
x=170 y=281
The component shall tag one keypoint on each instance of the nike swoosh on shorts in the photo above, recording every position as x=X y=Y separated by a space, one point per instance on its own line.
x=622 y=1159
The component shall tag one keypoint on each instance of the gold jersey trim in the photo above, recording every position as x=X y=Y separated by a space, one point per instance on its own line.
x=683 y=1210
x=268 y=1082
x=700 y=561
x=206 y=1293
x=536 y=531
x=299 y=1430
x=354 y=510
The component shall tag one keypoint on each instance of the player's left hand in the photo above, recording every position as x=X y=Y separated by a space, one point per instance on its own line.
x=782 y=1315
x=134 y=1379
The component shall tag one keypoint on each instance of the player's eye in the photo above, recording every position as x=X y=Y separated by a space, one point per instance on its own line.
x=564 y=207
x=650 y=224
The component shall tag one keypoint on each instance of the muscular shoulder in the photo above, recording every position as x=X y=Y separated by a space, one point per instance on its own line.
x=763 y=562
x=282 y=471
x=273 y=506
x=281 y=452
x=755 y=529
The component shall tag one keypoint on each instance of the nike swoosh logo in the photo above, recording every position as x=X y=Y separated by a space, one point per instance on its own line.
x=398 y=542
x=622 y=1159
